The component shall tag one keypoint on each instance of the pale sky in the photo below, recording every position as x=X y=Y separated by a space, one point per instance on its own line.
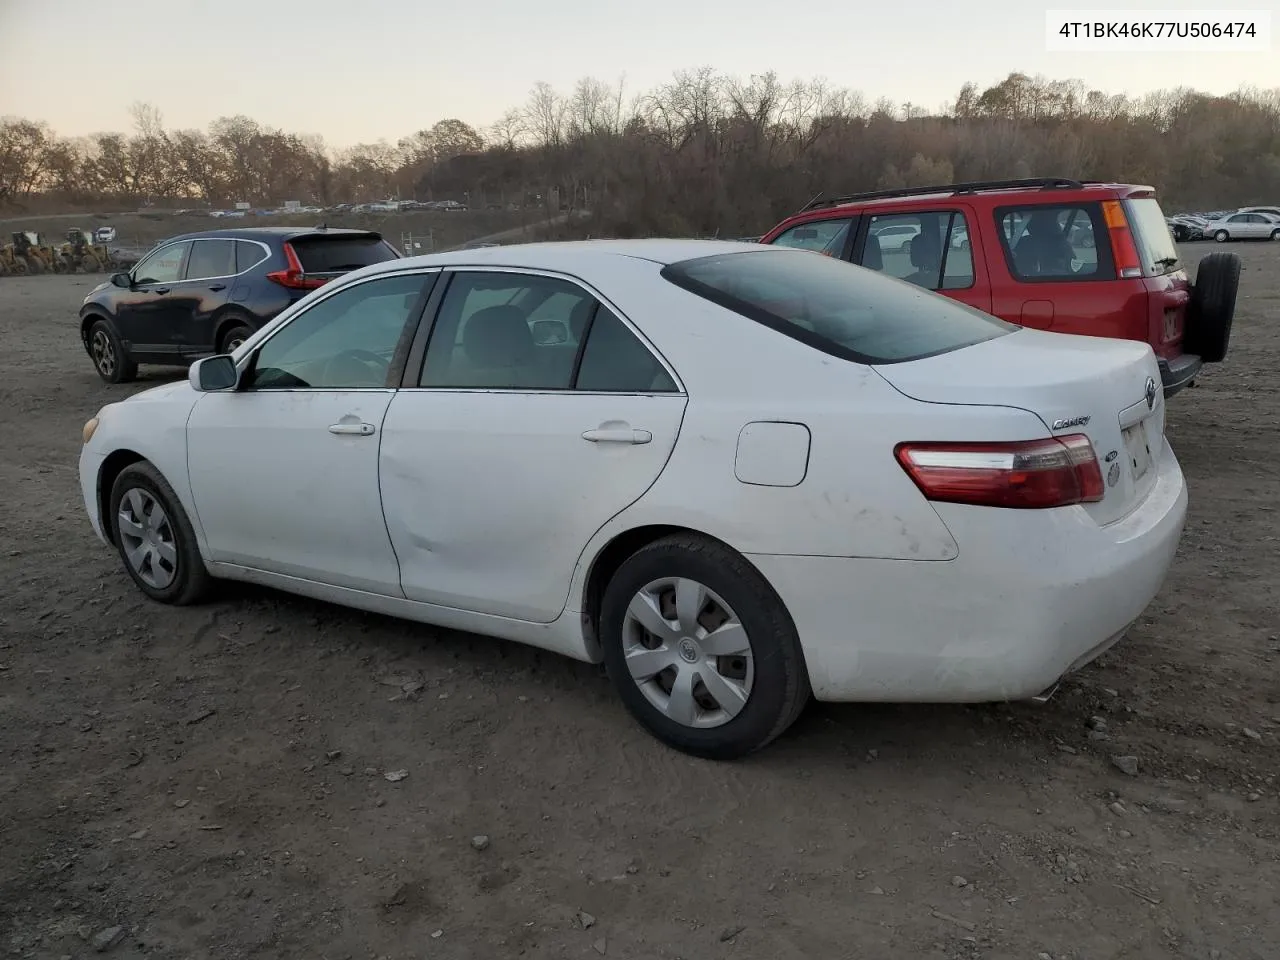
x=362 y=70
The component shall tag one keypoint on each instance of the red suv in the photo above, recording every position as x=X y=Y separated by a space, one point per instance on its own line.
x=1062 y=255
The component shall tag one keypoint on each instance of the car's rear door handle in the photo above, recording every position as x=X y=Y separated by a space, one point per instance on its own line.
x=617 y=435
x=218 y=286
x=160 y=290
x=352 y=429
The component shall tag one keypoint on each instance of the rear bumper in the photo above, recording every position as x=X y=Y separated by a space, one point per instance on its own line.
x=1178 y=372
x=1032 y=596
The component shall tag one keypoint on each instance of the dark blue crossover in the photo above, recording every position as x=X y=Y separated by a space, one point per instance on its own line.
x=204 y=293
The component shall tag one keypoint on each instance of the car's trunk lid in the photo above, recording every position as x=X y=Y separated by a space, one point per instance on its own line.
x=1108 y=390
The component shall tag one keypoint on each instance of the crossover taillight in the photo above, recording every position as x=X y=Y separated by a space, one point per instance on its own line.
x=1123 y=249
x=294 y=277
x=1032 y=474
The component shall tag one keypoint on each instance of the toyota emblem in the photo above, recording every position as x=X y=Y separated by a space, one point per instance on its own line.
x=1151 y=393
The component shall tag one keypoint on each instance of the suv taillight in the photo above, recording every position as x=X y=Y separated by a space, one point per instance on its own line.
x=1032 y=474
x=294 y=277
x=1123 y=249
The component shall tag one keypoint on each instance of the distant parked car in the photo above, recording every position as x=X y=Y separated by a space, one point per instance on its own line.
x=205 y=293
x=1243 y=226
x=1187 y=227
x=1269 y=211
x=105 y=235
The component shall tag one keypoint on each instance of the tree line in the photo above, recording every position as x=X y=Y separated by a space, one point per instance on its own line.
x=702 y=153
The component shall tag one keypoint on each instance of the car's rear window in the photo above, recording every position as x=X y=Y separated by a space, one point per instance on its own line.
x=326 y=254
x=1159 y=254
x=835 y=307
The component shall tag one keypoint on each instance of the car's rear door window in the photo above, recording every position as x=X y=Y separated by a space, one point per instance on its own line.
x=211 y=258
x=928 y=248
x=321 y=254
x=835 y=308
x=1054 y=242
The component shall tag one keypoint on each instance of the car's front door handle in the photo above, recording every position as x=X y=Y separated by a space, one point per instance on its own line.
x=160 y=290
x=352 y=429
x=617 y=435
x=218 y=286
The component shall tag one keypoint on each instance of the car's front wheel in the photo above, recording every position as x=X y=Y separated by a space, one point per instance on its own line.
x=1222 y=236
x=1275 y=234
x=155 y=539
x=701 y=649
x=110 y=358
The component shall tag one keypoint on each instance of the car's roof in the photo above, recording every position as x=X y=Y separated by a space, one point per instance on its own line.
x=1004 y=196
x=566 y=255
x=261 y=233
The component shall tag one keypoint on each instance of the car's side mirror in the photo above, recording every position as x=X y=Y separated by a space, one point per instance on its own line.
x=122 y=280
x=213 y=373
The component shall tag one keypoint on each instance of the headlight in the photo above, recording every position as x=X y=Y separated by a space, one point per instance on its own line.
x=89 y=428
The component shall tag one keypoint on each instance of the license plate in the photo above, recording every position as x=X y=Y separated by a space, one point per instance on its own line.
x=1135 y=442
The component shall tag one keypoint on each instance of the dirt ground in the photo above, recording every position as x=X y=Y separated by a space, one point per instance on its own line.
x=213 y=781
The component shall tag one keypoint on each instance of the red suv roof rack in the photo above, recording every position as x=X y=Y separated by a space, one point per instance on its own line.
x=1044 y=183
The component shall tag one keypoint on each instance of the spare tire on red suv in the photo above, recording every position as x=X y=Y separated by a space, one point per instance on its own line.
x=1213 y=305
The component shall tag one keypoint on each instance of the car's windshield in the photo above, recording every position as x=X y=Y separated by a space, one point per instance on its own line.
x=1160 y=255
x=838 y=308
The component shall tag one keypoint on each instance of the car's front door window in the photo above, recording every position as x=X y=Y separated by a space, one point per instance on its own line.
x=346 y=341
x=164 y=265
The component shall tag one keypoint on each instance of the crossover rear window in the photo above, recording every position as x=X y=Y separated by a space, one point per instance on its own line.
x=321 y=254
x=835 y=307
x=1159 y=254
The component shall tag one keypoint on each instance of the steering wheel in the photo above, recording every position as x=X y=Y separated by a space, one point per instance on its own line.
x=367 y=357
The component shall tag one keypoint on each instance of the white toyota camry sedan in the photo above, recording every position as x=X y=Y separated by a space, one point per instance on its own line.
x=737 y=475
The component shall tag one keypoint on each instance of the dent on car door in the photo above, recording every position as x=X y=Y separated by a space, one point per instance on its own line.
x=505 y=454
x=284 y=470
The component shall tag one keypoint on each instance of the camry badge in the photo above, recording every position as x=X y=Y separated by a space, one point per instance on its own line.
x=1070 y=422
x=1151 y=393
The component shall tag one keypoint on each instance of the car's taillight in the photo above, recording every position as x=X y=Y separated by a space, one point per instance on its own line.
x=1123 y=249
x=294 y=277
x=1032 y=474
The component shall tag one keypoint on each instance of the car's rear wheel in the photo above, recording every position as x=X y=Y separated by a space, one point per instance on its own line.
x=155 y=538
x=1222 y=236
x=233 y=337
x=110 y=358
x=1213 y=307
x=701 y=649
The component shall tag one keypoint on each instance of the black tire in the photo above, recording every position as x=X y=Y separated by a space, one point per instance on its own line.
x=1275 y=234
x=780 y=688
x=233 y=336
x=1212 y=307
x=112 y=361
x=1222 y=236
x=190 y=581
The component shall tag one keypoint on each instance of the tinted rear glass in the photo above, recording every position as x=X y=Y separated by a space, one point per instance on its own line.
x=1159 y=255
x=838 y=308
x=325 y=254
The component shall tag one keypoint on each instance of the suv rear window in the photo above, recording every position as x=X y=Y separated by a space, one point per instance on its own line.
x=1151 y=230
x=1055 y=242
x=321 y=254
x=835 y=307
